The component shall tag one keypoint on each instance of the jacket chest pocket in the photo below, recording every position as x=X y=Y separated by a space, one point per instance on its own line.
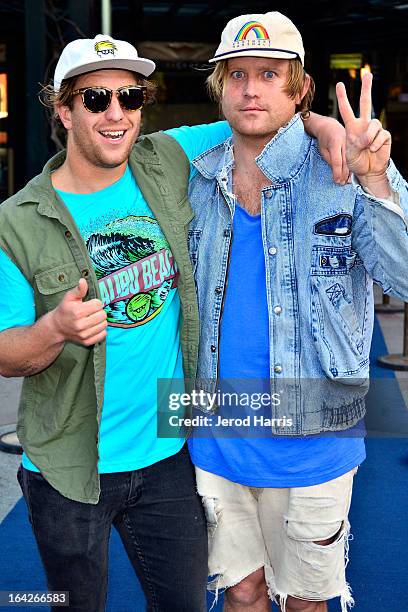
x=339 y=312
x=52 y=284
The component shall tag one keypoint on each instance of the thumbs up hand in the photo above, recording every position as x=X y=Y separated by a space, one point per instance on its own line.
x=77 y=321
x=78 y=292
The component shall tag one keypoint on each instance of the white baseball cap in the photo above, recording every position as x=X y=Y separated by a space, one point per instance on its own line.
x=85 y=55
x=260 y=35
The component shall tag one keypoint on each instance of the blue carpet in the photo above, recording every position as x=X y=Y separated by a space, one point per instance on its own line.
x=378 y=553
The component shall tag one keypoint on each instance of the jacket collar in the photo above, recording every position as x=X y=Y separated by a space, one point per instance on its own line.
x=40 y=190
x=280 y=160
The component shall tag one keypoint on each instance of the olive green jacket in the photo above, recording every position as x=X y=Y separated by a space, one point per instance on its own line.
x=60 y=407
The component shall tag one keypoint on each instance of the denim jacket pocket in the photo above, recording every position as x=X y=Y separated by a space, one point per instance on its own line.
x=339 y=313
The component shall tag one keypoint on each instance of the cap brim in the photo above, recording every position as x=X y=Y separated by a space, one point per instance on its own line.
x=272 y=53
x=141 y=65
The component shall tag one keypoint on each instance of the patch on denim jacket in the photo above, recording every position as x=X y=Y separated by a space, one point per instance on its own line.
x=332 y=260
x=338 y=225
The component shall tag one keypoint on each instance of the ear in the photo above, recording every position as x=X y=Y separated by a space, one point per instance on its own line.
x=305 y=89
x=64 y=114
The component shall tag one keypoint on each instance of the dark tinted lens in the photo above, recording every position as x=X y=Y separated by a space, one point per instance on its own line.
x=97 y=99
x=131 y=98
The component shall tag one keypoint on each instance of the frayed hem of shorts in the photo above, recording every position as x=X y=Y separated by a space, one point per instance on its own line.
x=346 y=598
x=214 y=585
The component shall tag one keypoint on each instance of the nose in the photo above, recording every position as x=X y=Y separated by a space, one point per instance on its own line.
x=114 y=112
x=250 y=89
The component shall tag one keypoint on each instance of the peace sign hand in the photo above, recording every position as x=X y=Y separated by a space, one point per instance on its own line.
x=368 y=145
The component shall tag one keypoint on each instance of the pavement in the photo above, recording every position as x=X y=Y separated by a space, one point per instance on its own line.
x=9 y=489
x=9 y=396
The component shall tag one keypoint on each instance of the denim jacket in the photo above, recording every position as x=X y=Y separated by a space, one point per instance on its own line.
x=324 y=244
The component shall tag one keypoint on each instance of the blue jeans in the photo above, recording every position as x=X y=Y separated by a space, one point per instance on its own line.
x=161 y=522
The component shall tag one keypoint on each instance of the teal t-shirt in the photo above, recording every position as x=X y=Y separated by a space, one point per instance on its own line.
x=138 y=283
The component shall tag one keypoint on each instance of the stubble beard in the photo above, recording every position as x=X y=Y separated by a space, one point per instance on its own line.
x=257 y=132
x=92 y=152
x=96 y=156
x=253 y=133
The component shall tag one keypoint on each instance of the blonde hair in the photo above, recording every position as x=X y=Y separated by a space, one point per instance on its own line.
x=294 y=84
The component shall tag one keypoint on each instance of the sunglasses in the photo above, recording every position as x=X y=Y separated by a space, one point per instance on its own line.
x=97 y=99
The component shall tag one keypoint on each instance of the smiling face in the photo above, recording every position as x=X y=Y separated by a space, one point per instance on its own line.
x=254 y=100
x=102 y=139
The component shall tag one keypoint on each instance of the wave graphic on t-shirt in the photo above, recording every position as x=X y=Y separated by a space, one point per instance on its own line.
x=135 y=269
x=116 y=251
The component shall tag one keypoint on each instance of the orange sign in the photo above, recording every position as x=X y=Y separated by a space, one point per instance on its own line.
x=3 y=95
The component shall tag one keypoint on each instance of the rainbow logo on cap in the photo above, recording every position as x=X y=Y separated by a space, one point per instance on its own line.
x=252 y=26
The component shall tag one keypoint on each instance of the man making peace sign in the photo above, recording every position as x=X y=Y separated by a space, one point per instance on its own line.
x=368 y=145
x=284 y=260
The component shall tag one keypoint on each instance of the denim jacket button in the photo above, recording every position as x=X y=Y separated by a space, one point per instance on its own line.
x=272 y=250
x=218 y=290
x=213 y=348
x=277 y=310
x=268 y=194
x=227 y=233
x=278 y=369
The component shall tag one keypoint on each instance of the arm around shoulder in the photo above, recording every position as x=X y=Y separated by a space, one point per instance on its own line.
x=331 y=137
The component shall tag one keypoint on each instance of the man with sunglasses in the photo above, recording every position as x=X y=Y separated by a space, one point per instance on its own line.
x=98 y=301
